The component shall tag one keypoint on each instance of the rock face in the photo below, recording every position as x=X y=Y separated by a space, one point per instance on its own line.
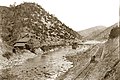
x=32 y=19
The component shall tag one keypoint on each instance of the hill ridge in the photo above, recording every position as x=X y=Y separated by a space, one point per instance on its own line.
x=31 y=18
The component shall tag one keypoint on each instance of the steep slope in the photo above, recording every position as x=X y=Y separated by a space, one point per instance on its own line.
x=2 y=44
x=32 y=19
x=109 y=65
x=29 y=19
x=91 y=31
x=2 y=8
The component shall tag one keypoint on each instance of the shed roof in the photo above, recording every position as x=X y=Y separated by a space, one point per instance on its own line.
x=19 y=44
x=24 y=40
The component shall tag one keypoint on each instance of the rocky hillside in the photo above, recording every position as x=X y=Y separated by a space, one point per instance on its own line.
x=1 y=14
x=32 y=19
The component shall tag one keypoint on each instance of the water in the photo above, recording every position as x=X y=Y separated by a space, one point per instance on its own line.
x=55 y=61
x=94 y=42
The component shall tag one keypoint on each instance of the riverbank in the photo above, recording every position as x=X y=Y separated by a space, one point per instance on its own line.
x=46 y=67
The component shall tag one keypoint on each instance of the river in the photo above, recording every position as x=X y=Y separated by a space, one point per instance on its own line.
x=53 y=62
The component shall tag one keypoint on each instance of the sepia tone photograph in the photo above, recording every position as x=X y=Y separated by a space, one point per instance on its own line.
x=59 y=40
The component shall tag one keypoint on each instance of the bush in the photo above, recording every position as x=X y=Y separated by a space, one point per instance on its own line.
x=7 y=55
x=115 y=32
x=6 y=75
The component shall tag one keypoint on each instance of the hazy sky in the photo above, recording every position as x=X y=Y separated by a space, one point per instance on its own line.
x=78 y=14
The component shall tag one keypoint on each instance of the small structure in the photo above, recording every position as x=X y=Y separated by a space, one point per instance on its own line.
x=21 y=44
x=7 y=55
x=24 y=43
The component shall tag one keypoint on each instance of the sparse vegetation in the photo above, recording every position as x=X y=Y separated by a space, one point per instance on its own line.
x=47 y=32
x=6 y=75
x=7 y=55
x=31 y=18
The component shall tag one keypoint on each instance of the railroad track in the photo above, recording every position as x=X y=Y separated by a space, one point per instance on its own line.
x=77 y=68
x=84 y=72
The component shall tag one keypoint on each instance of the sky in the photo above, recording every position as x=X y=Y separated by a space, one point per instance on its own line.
x=78 y=14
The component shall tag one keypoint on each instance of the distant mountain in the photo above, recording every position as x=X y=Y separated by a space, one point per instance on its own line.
x=87 y=33
x=32 y=19
x=104 y=34
x=98 y=33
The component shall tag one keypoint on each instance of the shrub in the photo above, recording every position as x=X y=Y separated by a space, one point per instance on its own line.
x=7 y=54
x=115 y=32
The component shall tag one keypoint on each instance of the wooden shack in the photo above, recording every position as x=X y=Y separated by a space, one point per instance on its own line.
x=21 y=44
